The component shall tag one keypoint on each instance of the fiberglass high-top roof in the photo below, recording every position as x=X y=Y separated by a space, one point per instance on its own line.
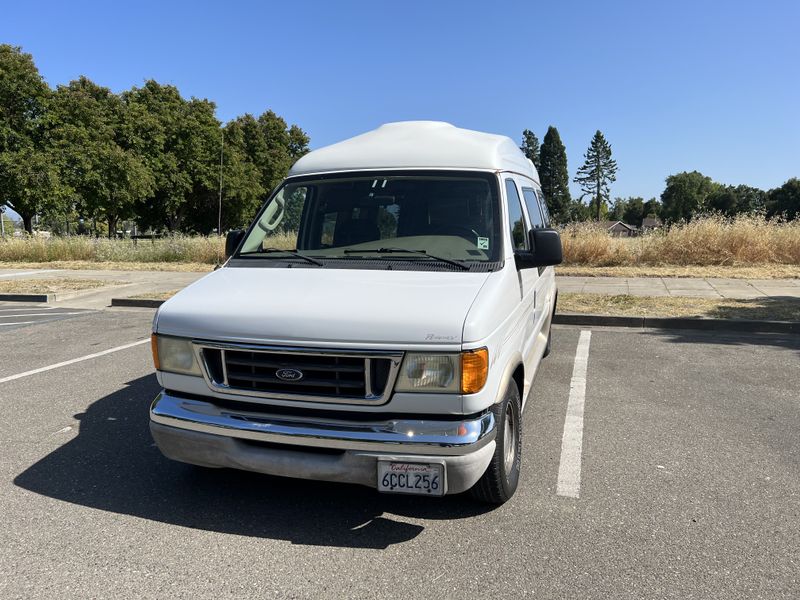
x=418 y=145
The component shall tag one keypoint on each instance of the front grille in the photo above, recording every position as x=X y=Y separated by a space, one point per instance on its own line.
x=299 y=373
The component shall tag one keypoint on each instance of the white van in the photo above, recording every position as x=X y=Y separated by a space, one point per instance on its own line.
x=380 y=322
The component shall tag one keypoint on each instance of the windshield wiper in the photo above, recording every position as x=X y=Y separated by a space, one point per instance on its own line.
x=461 y=266
x=293 y=253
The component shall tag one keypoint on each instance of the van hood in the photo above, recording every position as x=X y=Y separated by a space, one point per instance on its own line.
x=335 y=307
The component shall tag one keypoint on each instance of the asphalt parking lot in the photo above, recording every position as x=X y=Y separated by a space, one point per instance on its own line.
x=15 y=315
x=689 y=484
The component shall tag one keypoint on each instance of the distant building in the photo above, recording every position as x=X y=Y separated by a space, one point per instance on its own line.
x=619 y=229
x=651 y=223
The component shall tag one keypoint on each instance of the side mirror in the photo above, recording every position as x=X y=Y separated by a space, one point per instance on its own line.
x=545 y=250
x=232 y=241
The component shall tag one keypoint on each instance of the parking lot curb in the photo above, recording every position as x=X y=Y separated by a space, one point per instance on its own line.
x=136 y=302
x=744 y=325
x=27 y=297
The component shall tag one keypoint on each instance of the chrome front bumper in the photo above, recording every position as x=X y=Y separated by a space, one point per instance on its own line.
x=408 y=436
x=201 y=433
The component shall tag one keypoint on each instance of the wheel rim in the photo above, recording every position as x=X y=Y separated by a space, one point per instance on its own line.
x=510 y=438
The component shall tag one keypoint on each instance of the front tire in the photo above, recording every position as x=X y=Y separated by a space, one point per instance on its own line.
x=500 y=480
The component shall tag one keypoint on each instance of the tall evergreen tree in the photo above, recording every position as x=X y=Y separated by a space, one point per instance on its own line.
x=530 y=147
x=554 y=177
x=598 y=172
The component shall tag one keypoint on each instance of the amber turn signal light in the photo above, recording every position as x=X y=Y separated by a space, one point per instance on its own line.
x=474 y=370
x=154 y=348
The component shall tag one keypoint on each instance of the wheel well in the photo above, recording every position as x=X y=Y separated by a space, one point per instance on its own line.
x=519 y=378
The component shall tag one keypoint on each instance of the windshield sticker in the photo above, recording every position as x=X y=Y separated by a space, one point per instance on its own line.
x=483 y=243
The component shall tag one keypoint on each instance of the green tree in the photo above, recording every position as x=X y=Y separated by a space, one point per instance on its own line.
x=785 y=200
x=723 y=200
x=298 y=143
x=100 y=158
x=634 y=211
x=685 y=195
x=554 y=177
x=596 y=213
x=629 y=210
x=731 y=200
x=262 y=151
x=284 y=146
x=241 y=189
x=530 y=147
x=29 y=183
x=598 y=172
x=578 y=211
x=652 y=208
x=181 y=145
x=271 y=146
x=23 y=98
x=617 y=209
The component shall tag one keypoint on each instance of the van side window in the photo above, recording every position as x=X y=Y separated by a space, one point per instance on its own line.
x=534 y=211
x=543 y=204
x=516 y=222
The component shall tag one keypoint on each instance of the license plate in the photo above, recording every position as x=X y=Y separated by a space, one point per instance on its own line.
x=426 y=479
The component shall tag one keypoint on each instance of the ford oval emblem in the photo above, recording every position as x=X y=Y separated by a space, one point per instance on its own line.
x=289 y=374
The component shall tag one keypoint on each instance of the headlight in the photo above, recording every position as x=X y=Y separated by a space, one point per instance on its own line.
x=429 y=373
x=174 y=354
x=463 y=373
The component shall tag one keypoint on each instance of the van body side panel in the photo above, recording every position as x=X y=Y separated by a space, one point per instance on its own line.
x=510 y=316
x=495 y=321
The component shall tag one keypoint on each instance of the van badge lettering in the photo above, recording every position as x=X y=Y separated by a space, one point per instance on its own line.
x=431 y=337
x=289 y=374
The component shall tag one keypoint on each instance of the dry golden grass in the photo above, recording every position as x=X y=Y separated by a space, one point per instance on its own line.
x=51 y=286
x=771 y=309
x=749 y=240
x=173 y=249
x=84 y=265
x=156 y=295
x=749 y=247
x=768 y=271
x=183 y=249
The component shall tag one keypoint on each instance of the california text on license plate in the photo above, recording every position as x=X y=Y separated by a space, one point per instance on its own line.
x=426 y=479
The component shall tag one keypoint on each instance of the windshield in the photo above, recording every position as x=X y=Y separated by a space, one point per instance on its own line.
x=398 y=217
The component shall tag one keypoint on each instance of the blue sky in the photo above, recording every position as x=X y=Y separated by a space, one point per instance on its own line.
x=674 y=86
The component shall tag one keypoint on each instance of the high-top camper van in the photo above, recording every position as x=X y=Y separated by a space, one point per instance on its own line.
x=380 y=322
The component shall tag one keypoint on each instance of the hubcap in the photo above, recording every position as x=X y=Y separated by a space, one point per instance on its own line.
x=510 y=438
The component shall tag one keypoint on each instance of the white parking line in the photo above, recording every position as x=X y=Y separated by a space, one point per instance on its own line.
x=569 y=469
x=17 y=309
x=72 y=361
x=80 y=312
x=29 y=273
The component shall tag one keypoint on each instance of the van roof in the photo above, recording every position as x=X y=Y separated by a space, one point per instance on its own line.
x=418 y=145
